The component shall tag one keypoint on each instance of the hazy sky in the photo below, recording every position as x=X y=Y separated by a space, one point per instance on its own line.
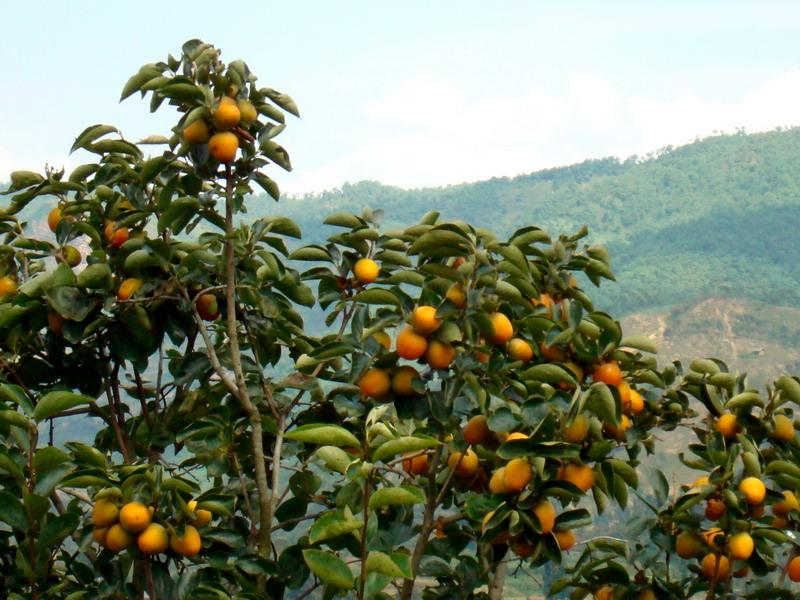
x=416 y=93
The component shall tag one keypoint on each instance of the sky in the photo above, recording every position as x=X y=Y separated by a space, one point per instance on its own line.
x=416 y=93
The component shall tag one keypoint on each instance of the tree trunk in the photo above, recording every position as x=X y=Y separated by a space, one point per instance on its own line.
x=498 y=582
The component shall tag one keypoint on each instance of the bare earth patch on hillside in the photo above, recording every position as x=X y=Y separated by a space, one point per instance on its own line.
x=759 y=339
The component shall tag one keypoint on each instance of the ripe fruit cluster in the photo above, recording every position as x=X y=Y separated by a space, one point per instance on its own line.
x=544 y=514
x=229 y=119
x=736 y=505
x=414 y=342
x=118 y=528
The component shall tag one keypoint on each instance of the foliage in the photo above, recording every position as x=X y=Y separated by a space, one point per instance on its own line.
x=467 y=405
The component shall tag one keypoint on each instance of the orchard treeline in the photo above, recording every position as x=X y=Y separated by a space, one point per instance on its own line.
x=468 y=410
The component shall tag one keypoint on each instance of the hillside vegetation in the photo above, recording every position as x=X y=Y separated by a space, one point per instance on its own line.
x=717 y=217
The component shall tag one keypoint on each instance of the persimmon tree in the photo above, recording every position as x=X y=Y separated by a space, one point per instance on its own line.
x=730 y=533
x=466 y=409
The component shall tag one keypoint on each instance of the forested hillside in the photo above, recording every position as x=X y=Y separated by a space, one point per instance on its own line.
x=714 y=218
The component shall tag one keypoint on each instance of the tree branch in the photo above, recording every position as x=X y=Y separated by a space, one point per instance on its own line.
x=427 y=524
x=264 y=499
x=498 y=581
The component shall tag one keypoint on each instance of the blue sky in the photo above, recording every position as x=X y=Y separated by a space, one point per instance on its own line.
x=417 y=93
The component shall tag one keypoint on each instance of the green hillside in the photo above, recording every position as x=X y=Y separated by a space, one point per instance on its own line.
x=717 y=217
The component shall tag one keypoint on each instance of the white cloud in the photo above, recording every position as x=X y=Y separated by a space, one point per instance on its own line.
x=433 y=133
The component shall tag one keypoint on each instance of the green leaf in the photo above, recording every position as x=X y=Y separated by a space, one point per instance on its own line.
x=529 y=447
x=56 y=529
x=514 y=255
x=333 y=524
x=343 y=219
x=82 y=172
x=185 y=92
x=12 y=512
x=63 y=275
x=280 y=225
x=790 y=387
x=140 y=259
x=178 y=215
x=96 y=276
x=12 y=417
x=640 y=342
x=23 y=179
x=549 y=373
x=392 y=496
x=315 y=253
x=87 y=455
x=90 y=134
x=271 y=112
x=601 y=402
x=53 y=403
x=403 y=445
x=625 y=471
x=155 y=140
x=331 y=569
x=135 y=83
x=277 y=154
x=326 y=435
x=270 y=130
x=152 y=167
x=377 y=296
x=282 y=100
x=11 y=313
x=15 y=394
x=331 y=350
x=268 y=185
x=783 y=466
x=35 y=285
x=440 y=240
x=705 y=366
x=744 y=400
x=773 y=535
x=334 y=458
x=48 y=481
x=115 y=147
x=71 y=302
x=507 y=291
x=179 y=484
x=380 y=562
x=570 y=519
x=8 y=465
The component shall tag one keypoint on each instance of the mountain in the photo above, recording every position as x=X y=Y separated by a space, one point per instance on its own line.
x=750 y=336
x=714 y=218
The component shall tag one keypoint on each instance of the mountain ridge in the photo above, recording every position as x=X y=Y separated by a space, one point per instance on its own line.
x=717 y=216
